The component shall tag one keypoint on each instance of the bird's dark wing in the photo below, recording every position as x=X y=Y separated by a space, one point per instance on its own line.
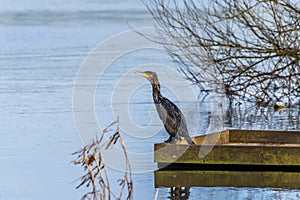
x=170 y=114
x=173 y=119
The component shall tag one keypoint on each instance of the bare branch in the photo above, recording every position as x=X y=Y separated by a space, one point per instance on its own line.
x=252 y=47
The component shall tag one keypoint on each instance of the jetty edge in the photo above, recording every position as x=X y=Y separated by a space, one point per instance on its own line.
x=234 y=149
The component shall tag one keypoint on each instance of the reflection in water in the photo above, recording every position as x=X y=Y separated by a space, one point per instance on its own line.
x=228 y=184
x=253 y=117
x=248 y=115
x=179 y=193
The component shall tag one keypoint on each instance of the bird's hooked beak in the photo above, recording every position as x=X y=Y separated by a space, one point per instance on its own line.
x=142 y=74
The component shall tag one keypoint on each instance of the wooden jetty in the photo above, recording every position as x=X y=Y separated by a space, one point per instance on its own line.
x=246 y=150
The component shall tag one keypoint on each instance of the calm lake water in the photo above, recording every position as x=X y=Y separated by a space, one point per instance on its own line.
x=43 y=45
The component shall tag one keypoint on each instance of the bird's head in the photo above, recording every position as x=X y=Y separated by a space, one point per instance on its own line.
x=151 y=76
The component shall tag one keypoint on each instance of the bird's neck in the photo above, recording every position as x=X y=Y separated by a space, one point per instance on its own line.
x=156 y=91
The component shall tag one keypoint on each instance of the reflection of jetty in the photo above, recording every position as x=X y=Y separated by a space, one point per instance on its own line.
x=234 y=150
x=289 y=180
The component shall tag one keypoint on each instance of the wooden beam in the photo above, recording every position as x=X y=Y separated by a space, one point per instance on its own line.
x=288 y=180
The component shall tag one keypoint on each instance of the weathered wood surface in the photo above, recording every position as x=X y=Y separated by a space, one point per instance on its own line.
x=264 y=137
x=288 y=180
x=237 y=147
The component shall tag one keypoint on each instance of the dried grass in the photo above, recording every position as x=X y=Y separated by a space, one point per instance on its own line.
x=96 y=176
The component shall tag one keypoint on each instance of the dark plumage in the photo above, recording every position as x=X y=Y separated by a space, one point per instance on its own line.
x=168 y=112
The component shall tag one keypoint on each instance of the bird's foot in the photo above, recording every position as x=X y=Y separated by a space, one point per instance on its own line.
x=170 y=140
x=173 y=142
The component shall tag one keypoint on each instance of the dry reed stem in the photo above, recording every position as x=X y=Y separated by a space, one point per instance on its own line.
x=96 y=175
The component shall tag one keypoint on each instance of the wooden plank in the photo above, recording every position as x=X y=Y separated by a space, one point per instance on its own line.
x=213 y=138
x=228 y=154
x=287 y=180
x=249 y=136
x=264 y=136
x=235 y=147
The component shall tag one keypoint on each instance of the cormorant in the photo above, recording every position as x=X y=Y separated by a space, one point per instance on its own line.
x=168 y=112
